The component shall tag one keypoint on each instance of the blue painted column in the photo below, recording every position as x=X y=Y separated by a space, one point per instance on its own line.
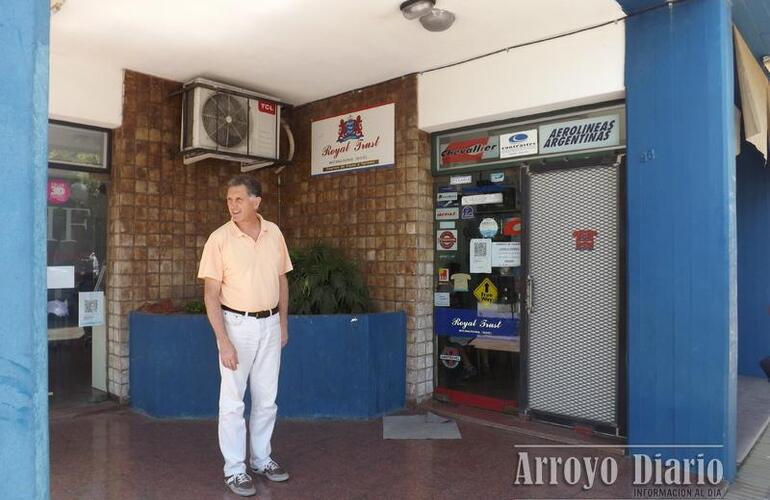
x=23 y=329
x=681 y=229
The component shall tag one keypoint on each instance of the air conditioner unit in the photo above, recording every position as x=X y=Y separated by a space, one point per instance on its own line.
x=229 y=123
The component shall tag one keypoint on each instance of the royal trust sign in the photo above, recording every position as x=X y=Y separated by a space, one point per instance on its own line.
x=362 y=138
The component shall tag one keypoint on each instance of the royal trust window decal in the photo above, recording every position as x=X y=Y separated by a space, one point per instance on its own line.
x=357 y=139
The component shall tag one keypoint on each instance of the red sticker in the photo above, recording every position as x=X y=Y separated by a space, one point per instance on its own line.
x=447 y=240
x=58 y=191
x=585 y=239
x=512 y=227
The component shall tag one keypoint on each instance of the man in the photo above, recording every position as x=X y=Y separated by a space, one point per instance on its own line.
x=244 y=265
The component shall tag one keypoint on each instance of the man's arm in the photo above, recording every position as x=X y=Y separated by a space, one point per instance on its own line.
x=227 y=353
x=283 y=308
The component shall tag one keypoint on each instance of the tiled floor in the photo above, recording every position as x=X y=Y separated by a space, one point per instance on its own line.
x=121 y=455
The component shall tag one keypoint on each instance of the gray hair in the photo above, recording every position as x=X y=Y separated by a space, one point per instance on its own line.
x=252 y=185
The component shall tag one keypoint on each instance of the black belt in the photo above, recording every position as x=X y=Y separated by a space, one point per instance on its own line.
x=258 y=314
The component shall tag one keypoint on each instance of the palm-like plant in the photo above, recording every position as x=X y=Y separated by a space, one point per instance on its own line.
x=324 y=281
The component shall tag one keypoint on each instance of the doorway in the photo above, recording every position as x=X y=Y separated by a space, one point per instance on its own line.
x=76 y=257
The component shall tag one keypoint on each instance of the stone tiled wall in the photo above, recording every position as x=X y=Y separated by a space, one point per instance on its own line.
x=382 y=218
x=160 y=213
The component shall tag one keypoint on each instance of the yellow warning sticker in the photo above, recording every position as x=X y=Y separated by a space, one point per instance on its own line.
x=486 y=292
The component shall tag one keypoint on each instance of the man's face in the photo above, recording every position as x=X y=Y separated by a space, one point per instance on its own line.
x=241 y=205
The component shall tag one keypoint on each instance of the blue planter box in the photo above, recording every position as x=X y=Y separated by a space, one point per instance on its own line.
x=335 y=366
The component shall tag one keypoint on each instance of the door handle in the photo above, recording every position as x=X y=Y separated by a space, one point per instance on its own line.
x=530 y=294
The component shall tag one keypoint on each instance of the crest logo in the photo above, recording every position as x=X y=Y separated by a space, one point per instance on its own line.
x=352 y=128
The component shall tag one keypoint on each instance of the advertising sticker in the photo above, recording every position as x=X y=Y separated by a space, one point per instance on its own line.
x=446 y=239
x=521 y=143
x=453 y=322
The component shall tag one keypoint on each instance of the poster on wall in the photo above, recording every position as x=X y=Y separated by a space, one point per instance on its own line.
x=354 y=140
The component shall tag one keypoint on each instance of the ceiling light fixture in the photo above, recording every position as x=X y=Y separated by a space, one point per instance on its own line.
x=412 y=9
x=431 y=18
x=437 y=20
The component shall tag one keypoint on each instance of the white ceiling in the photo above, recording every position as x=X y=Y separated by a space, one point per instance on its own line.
x=302 y=50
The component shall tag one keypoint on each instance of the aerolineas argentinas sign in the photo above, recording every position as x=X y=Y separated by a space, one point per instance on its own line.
x=362 y=138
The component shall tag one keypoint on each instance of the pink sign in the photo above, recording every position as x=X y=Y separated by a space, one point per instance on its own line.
x=58 y=191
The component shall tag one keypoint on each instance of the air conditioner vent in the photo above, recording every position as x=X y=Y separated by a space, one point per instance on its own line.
x=229 y=123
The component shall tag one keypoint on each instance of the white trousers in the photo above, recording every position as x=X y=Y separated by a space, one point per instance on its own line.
x=258 y=345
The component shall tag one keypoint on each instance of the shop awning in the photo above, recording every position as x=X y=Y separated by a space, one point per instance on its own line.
x=755 y=95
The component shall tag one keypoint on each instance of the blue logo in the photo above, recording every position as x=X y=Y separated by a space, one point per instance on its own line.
x=518 y=138
x=468 y=212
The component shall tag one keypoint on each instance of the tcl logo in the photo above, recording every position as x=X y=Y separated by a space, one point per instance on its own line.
x=266 y=107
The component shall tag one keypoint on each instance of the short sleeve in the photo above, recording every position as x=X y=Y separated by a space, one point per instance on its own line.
x=211 y=265
x=286 y=265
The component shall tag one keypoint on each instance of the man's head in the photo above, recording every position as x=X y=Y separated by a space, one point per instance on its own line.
x=244 y=194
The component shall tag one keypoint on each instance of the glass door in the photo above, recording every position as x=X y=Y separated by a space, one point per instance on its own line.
x=477 y=289
x=77 y=251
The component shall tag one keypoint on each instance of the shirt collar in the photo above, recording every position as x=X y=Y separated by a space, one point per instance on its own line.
x=237 y=231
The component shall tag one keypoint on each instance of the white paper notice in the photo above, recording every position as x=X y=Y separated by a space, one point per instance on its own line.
x=481 y=255
x=90 y=308
x=441 y=299
x=61 y=277
x=506 y=254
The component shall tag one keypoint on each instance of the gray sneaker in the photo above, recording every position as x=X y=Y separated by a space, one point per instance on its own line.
x=241 y=484
x=272 y=471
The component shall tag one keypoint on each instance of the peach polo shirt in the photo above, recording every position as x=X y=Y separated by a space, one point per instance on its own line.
x=248 y=269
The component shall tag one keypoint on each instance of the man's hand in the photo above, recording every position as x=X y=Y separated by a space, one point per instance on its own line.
x=284 y=337
x=227 y=355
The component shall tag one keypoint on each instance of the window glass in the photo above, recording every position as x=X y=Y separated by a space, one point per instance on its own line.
x=77 y=236
x=78 y=147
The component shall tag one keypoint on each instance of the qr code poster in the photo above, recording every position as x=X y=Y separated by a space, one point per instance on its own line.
x=90 y=308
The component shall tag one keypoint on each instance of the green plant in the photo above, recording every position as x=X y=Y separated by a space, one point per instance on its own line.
x=195 y=307
x=324 y=281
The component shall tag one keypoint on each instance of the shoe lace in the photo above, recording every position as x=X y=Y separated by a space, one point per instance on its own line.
x=271 y=466
x=241 y=478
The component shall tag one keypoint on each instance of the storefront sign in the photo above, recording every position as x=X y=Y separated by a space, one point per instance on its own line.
x=447 y=196
x=521 y=143
x=585 y=239
x=446 y=224
x=469 y=151
x=486 y=292
x=354 y=140
x=446 y=239
x=488 y=227
x=482 y=199
x=589 y=133
x=468 y=212
x=452 y=213
x=451 y=322
x=460 y=179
